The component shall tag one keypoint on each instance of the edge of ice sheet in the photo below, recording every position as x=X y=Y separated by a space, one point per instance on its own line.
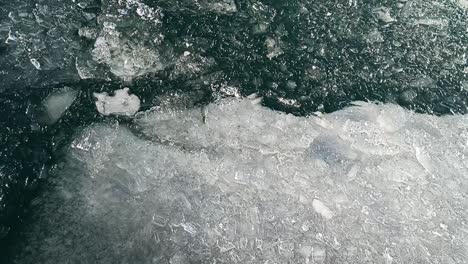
x=245 y=186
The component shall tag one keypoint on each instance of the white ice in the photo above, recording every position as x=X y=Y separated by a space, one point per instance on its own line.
x=121 y=103
x=367 y=184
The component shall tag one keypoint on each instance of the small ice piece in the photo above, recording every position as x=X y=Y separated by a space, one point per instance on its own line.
x=322 y=209
x=57 y=103
x=11 y=38
x=35 y=63
x=227 y=90
x=273 y=49
x=121 y=103
x=432 y=22
x=88 y=33
x=223 y=7
x=383 y=14
x=124 y=60
x=375 y=36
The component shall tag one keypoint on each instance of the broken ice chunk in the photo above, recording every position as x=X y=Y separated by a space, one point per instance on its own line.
x=121 y=103
x=57 y=103
x=383 y=14
x=375 y=36
x=225 y=6
x=35 y=63
x=322 y=209
x=88 y=33
x=273 y=48
x=443 y=23
x=125 y=60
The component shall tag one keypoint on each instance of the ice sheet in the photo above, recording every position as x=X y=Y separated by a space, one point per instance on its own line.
x=239 y=183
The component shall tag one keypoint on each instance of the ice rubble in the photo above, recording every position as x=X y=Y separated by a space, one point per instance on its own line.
x=127 y=41
x=368 y=184
x=125 y=60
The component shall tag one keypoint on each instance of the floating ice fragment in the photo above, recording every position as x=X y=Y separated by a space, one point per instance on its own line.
x=125 y=59
x=120 y=104
x=11 y=38
x=322 y=209
x=88 y=33
x=273 y=49
x=375 y=36
x=432 y=22
x=35 y=63
x=224 y=6
x=383 y=14
x=57 y=103
x=227 y=90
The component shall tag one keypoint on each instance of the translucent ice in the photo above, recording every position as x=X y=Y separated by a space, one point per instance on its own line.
x=57 y=103
x=121 y=103
x=368 y=184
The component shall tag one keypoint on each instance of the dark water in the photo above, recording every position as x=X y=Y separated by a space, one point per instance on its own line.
x=301 y=56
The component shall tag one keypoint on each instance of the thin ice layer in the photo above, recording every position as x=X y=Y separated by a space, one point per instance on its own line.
x=238 y=183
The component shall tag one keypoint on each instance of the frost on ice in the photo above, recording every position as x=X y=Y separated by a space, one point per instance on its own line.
x=368 y=184
x=121 y=103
